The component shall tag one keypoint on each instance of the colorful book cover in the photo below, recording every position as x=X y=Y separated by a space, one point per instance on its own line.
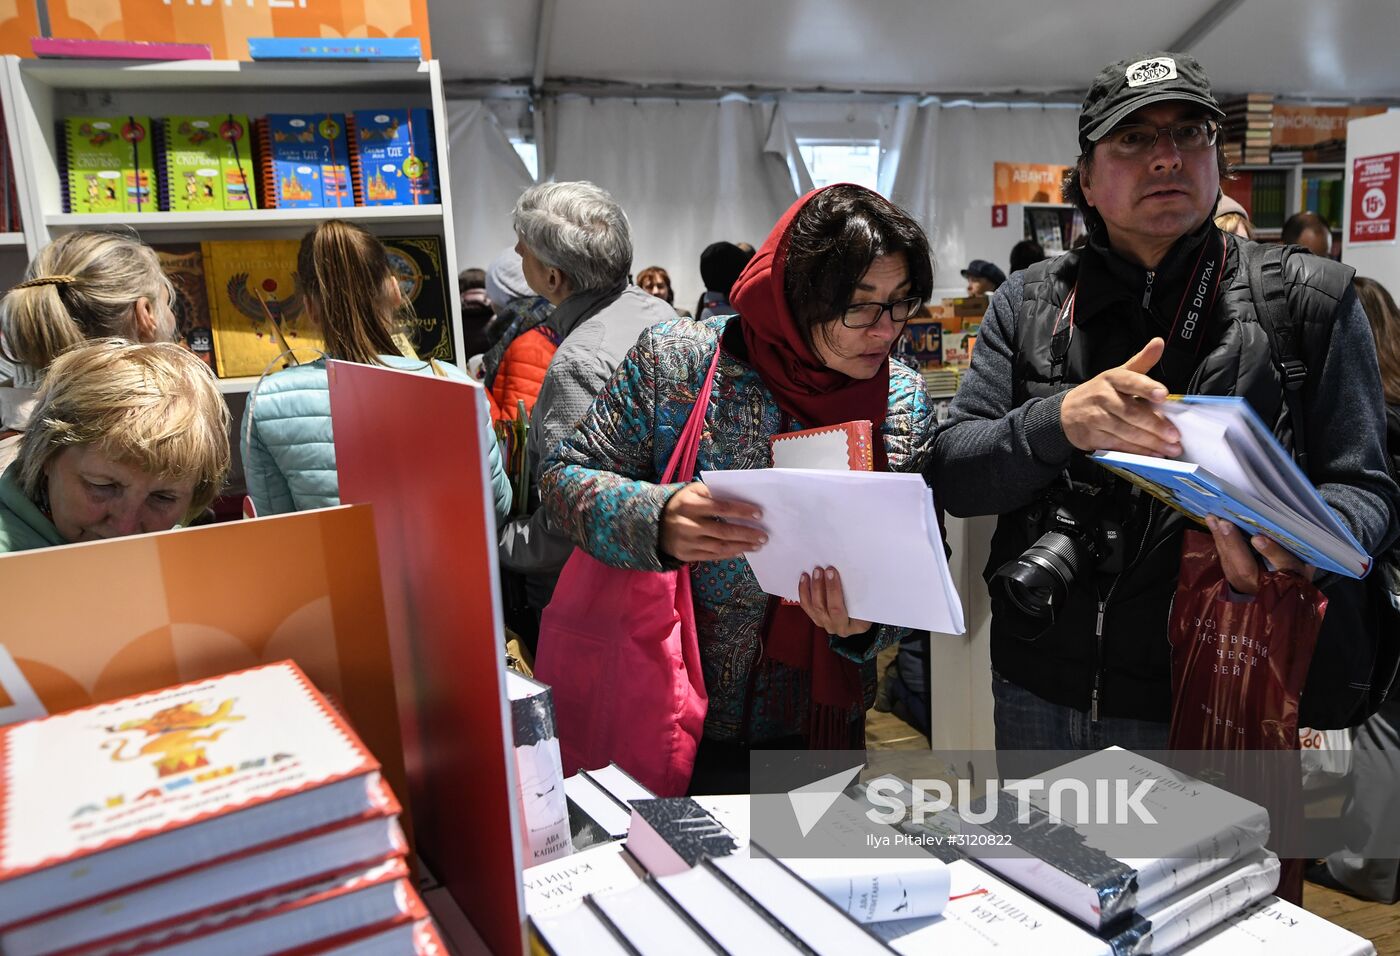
x=253 y=295
x=844 y=447
x=306 y=160
x=91 y=796
x=237 y=164
x=395 y=155
x=417 y=263
x=323 y=48
x=292 y=167
x=183 y=265
x=205 y=163
x=110 y=164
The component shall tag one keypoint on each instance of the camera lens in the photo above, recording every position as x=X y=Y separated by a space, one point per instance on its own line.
x=1038 y=581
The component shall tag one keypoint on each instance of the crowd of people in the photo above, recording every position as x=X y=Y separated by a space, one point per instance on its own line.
x=111 y=430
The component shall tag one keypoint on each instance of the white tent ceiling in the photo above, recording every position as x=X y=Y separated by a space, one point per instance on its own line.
x=1323 y=49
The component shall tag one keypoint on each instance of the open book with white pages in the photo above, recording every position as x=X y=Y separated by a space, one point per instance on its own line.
x=878 y=529
x=1231 y=466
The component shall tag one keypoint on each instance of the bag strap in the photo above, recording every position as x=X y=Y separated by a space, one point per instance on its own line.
x=681 y=467
x=1285 y=333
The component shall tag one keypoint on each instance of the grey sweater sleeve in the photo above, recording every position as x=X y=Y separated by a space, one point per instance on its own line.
x=1346 y=444
x=993 y=456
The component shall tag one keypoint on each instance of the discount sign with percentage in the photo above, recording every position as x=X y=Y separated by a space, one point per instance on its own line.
x=1373 y=198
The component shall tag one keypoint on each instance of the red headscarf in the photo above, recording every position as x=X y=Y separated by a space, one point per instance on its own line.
x=803 y=386
x=814 y=395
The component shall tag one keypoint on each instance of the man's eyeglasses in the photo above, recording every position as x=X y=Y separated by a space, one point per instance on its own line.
x=865 y=314
x=1138 y=139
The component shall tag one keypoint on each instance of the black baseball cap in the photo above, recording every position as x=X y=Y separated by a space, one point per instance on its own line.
x=983 y=269
x=1128 y=85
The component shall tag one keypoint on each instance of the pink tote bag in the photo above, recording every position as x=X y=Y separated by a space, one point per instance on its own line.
x=620 y=651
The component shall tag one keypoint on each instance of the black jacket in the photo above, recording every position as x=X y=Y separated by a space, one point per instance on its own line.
x=1003 y=446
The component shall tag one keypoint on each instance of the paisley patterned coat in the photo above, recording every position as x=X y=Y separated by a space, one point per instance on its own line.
x=600 y=486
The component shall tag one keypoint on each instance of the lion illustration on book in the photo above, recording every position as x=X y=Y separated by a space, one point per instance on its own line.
x=174 y=738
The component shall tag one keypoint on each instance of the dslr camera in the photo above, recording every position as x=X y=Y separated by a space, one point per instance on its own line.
x=1077 y=529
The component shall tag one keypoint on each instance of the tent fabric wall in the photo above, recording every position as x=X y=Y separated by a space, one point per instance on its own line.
x=487 y=176
x=688 y=173
x=691 y=172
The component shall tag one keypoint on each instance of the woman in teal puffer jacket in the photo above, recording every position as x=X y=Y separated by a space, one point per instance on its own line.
x=287 y=441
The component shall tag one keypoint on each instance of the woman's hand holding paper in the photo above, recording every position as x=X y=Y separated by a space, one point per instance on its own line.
x=697 y=527
x=822 y=597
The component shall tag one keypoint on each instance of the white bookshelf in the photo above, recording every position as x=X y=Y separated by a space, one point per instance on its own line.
x=14 y=246
x=11 y=240
x=40 y=93
x=1293 y=190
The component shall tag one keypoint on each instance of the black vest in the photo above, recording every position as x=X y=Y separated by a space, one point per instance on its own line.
x=1131 y=662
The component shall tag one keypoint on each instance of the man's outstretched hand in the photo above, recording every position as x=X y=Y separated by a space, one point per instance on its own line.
x=1116 y=410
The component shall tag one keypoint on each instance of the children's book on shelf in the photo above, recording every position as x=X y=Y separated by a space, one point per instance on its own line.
x=417 y=262
x=394 y=157
x=109 y=796
x=109 y=164
x=1232 y=467
x=205 y=163
x=256 y=304
x=183 y=265
x=305 y=160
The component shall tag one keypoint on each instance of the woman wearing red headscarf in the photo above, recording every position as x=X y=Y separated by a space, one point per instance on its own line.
x=820 y=307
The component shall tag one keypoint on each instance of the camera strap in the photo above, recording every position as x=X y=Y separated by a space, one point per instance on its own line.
x=1198 y=300
x=1188 y=327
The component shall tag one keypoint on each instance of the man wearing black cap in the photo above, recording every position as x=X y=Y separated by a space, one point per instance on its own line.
x=1074 y=355
x=983 y=277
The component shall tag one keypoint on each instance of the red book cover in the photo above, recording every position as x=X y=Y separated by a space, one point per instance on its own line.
x=420 y=938
x=334 y=910
x=843 y=447
x=118 y=793
x=232 y=882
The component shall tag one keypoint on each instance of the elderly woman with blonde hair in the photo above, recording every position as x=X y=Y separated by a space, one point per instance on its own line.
x=124 y=439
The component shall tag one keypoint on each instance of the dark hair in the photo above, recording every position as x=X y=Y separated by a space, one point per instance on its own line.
x=1302 y=222
x=344 y=272
x=1025 y=254
x=1385 y=326
x=1073 y=192
x=832 y=243
x=661 y=274
x=471 y=279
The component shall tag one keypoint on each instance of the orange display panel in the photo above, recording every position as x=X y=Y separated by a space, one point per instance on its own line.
x=225 y=25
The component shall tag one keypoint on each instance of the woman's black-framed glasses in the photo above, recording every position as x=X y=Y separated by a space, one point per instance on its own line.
x=863 y=315
x=1138 y=139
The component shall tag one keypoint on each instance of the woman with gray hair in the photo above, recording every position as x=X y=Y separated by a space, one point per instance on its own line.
x=575 y=247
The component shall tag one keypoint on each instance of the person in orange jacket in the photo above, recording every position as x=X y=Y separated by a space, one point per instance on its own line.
x=513 y=369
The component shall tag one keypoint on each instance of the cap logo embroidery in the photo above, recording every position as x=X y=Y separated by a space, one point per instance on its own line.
x=1144 y=72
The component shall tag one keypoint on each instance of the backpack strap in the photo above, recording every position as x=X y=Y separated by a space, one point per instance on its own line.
x=1285 y=332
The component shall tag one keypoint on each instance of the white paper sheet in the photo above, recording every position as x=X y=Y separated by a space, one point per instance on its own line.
x=877 y=529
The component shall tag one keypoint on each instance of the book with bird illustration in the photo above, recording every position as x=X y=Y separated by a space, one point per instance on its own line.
x=254 y=295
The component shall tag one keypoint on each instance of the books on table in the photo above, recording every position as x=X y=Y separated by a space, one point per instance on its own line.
x=1277 y=926
x=233 y=814
x=1232 y=467
x=540 y=771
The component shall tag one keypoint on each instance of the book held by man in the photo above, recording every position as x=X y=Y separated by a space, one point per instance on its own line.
x=1232 y=467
